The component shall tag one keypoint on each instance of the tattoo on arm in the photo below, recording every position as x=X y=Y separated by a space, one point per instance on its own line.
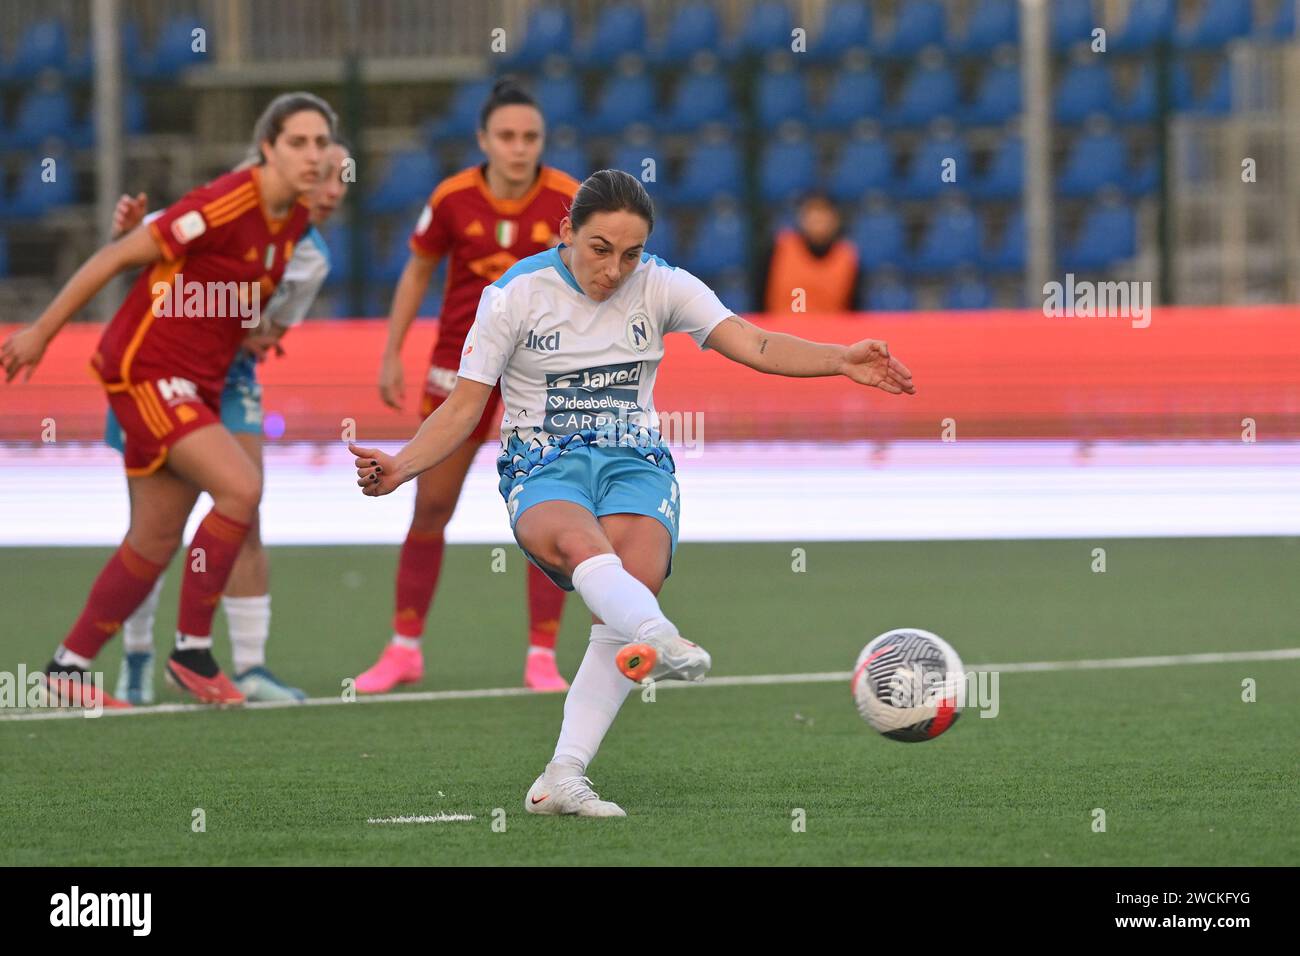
x=762 y=347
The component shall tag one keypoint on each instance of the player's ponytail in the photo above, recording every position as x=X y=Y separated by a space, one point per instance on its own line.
x=506 y=91
x=270 y=124
x=611 y=190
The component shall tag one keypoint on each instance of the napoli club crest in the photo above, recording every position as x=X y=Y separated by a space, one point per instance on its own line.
x=638 y=331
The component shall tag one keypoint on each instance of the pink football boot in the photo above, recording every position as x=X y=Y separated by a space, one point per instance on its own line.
x=540 y=672
x=397 y=665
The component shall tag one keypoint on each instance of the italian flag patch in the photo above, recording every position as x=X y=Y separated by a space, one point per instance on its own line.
x=506 y=232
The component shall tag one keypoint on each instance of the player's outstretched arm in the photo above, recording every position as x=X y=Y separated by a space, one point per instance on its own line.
x=406 y=303
x=867 y=362
x=442 y=433
x=25 y=348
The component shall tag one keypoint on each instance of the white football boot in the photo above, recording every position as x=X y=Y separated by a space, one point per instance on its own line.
x=562 y=789
x=663 y=655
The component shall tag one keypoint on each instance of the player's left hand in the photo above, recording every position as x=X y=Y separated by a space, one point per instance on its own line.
x=23 y=349
x=377 y=473
x=260 y=346
x=869 y=363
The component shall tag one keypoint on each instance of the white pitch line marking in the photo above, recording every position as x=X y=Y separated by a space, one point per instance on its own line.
x=440 y=818
x=741 y=680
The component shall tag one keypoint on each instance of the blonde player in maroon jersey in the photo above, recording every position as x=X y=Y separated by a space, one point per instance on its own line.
x=486 y=218
x=208 y=262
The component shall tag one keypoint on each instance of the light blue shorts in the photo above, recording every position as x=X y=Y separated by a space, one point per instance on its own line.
x=605 y=481
x=241 y=403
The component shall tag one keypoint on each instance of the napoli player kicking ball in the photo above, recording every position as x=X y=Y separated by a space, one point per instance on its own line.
x=575 y=335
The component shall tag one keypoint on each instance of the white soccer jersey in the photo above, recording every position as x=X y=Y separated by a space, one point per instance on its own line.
x=568 y=364
x=304 y=274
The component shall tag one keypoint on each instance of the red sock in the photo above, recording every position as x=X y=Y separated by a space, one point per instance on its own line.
x=545 y=605
x=120 y=588
x=417 y=579
x=207 y=571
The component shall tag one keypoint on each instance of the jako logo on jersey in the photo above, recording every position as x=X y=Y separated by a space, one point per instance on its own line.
x=638 y=331
x=175 y=387
x=542 y=343
x=506 y=231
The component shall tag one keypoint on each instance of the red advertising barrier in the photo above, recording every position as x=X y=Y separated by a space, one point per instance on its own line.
x=1193 y=373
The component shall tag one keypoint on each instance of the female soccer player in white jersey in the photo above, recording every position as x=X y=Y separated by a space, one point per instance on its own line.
x=575 y=336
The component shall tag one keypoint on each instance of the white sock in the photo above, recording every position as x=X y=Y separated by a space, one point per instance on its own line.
x=66 y=658
x=412 y=643
x=249 y=619
x=137 y=630
x=597 y=692
x=617 y=598
x=190 y=642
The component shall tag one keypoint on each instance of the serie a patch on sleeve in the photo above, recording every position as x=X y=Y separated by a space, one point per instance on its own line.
x=189 y=227
x=426 y=217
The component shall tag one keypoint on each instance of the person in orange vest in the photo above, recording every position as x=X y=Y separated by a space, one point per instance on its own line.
x=812 y=268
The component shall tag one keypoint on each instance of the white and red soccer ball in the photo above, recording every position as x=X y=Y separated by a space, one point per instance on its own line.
x=908 y=684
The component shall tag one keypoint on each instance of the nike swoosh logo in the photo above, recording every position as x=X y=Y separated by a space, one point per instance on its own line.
x=537 y=800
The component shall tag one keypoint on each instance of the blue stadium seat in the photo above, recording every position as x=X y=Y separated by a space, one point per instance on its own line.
x=734 y=291
x=864 y=165
x=693 y=29
x=566 y=154
x=1008 y=253
x=461 y=118
x=710 y=169
x=1219 y=22
x=1144 y=180
x=663 y=240
x=992 y=24
x=952 y=238
x=929 y=92
x=721 y=243
x=1140 y=105
x=43 y=114
x=847 y=25
x=339 y=240
x=854 y=95
x=631 y=156
x=1085 y=89
x=560 y=100
x=887 y=293
x=4 y=246
x=1108 y=235
x=1095 y=160
x=1283 y=25
x=1148 y=22
x=1072 y=22
x=920 y=23
x=1005 y=176
x=175 y=49
x=880 y=238
x=33 y=197
x=787 y=169
x=390 y=265
x=1217 y=98
x=967 y=292
x=925 y=174
x=411 y=176
x=702 y=96
x=998 y=97
x=549 y=32
x=766 y=27
x=628 y=98
x=619 y=30
x=133 y=58
x=781 y=96
x=42 y=46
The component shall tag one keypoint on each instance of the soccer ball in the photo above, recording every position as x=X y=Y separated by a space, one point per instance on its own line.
x=907 y=684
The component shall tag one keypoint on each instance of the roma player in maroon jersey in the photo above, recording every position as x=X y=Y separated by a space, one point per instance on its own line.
x=209 y=261
x=486 y=218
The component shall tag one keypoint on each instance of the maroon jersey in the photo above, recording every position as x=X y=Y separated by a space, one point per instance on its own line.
x=485 y=236
x=187 y=314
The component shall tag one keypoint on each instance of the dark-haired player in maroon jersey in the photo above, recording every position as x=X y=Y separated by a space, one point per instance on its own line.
x=486 y=218
x=209 y=262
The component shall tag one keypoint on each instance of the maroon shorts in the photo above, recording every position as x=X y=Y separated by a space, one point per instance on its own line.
x=438 y=385
x=154 y=415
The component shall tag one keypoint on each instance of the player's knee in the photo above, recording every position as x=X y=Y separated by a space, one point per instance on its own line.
x=240 y=501
x=155 y=544
x=573 y=546
x=430 y=518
